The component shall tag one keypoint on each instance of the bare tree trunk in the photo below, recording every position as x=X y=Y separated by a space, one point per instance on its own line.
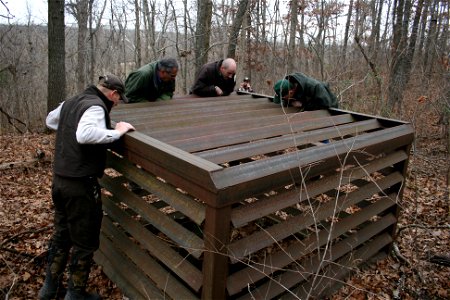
x=56 y=87
x=412 y=41
x=277 y=17
x=146 y=19
x=347 y=30
x=357 y=17
x=166 y=20
x=222 y=15
x=185 y=53
x=80 y=10
x=397 y=78
x=236 y=27
x=374 y=40
x=423 y=28
x=386 y=26
x=247 y=45
x=93 y=36
x=91 y=42
x=137 y=32
x=122 y=23
x=373 y=67
x=431 y=40
x=202 y=34
x=292 y=34
x=443 y=38
x=376 y=48
x=302 y=30
x=150 y=39
x=320 y=38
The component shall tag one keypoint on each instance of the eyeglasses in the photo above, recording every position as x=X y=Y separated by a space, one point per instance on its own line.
x=171 y=74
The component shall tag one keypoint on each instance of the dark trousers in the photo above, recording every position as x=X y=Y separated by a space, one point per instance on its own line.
x=78 y=216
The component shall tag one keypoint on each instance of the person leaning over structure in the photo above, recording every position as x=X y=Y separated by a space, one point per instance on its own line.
x=215 y=79
x=152 y=82
x=306 y=93
x=83 y=134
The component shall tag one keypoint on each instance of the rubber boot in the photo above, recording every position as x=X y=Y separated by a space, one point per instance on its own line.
x=79 y=274
x=56 y=263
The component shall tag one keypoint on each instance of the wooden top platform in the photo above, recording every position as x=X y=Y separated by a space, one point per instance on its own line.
x=190 y=142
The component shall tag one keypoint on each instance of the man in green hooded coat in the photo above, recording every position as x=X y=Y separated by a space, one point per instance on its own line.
x=306 y=93
x=152 y=82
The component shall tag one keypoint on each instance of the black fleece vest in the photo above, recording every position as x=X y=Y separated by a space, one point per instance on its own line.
x=71 y=158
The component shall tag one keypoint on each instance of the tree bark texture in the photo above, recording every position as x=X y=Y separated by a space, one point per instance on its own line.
x=236 y=27
x=202 y=34
x=292 y=35
x=56 y=88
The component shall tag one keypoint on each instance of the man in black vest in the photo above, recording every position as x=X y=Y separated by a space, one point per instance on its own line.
x=83 y=135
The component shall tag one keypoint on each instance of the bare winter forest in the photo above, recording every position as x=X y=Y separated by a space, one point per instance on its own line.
x=387 y=58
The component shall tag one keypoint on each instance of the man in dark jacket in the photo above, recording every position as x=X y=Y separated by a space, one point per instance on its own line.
x=152 y=82
x=306 y=93
x=83 y=135
x=215 y=79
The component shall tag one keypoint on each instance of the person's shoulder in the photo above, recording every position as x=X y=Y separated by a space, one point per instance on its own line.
x=297 y=75
x=212 y=64
x=146 y=67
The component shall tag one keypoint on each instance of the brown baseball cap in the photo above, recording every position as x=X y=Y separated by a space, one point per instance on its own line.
x=113 y=82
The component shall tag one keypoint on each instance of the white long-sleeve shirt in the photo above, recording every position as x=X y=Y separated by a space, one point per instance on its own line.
x=91 y=127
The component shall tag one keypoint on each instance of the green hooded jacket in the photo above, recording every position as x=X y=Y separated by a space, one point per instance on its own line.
x=313 y=94
x=144 y=84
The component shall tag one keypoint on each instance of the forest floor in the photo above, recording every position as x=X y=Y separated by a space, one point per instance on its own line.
x=412 y=271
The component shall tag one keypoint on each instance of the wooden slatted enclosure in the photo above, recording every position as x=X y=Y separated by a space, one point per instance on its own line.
x=244 y=199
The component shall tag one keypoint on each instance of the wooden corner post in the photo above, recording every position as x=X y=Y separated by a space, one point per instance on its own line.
x=215 y=262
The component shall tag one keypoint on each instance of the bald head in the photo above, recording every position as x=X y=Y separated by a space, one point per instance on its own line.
x=228 y=68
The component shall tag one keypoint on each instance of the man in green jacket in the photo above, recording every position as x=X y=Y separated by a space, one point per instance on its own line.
x=306 y=93
x=152 y=82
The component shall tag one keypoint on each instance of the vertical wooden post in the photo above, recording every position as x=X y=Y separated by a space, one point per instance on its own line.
x=399 y=189
x=215 y=262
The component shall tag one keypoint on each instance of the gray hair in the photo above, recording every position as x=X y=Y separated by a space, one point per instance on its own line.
x=167 y=64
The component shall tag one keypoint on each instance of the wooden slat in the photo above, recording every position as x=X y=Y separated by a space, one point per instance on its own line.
x=264 y=146
x=130 y=271
x=115 y=275
x=182 y=102
x=174 y=261
x=279 y=260
x=225 y=137
x=250 y=244
x=191 y=118
x=165 y=281
x=183 y=203
x=157 y=114
x=230 y=124
x=249 y=173
x=176 y=232
x=195 y=188
x=342 y=268
x=174 y=160
x=263 y=207
x=340 y=280
x=313 y=266
x=385 y=121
